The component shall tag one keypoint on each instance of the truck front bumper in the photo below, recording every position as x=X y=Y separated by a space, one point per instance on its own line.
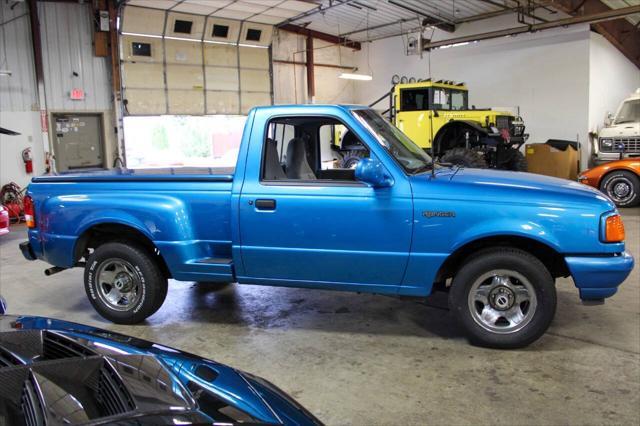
x=599 y=277
x=606 y=157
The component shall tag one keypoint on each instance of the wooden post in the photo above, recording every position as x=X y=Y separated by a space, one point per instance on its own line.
x=311 y=82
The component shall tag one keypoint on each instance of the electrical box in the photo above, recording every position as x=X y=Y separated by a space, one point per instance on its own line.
x=103 y=20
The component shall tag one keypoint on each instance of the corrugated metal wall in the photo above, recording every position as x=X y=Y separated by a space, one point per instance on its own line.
x=67 y=49
x=18 y=91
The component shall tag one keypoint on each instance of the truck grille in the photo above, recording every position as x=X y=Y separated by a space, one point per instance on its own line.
x=503 y=121
x=630 y=144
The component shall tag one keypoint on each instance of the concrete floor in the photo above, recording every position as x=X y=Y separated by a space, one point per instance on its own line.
x=369 y=360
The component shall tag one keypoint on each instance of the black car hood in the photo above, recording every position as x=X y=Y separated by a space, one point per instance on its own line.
x=56 y=372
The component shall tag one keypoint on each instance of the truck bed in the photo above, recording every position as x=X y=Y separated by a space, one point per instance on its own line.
x=215 y=174
x=184 y=212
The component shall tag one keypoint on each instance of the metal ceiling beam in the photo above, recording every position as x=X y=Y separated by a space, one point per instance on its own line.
x=436 y=21
x=506 y=11
x=605 y=16
x=376 y=27
x=343 y=41
x=622 y=33
x=319 y=9
x=519 y=8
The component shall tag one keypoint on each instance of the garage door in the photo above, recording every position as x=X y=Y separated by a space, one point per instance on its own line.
x=184 y=64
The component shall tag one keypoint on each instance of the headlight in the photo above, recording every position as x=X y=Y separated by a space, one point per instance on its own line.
x=606 y=143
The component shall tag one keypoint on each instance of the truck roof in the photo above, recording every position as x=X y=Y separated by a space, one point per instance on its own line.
x=345 y=107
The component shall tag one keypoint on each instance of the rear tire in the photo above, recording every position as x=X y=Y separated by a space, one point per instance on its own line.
x=622 y=187
x=464 y=157
x=504 y=298
x=124 y=283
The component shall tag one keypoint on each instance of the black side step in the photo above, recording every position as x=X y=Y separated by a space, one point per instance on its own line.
x=216 y=261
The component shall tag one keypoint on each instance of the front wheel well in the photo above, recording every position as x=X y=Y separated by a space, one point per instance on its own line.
x=553 y=260
x=103 y=233
x=449 y=134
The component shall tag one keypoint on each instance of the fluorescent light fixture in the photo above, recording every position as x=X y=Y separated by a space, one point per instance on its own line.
x=195 y=40
x=142 y=35
x=351 y=76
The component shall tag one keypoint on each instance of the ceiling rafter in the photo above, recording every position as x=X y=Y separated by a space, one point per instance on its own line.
x=621 y=33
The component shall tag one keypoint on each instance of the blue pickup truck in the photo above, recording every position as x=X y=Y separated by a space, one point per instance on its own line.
x=397 y=223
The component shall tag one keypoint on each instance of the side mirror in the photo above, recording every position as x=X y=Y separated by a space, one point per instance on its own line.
x=372 y=172
x=608 y=119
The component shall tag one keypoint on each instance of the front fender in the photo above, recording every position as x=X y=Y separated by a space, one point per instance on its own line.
x=440 y=136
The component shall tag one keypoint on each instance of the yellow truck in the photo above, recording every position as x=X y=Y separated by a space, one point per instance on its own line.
x=436 y=116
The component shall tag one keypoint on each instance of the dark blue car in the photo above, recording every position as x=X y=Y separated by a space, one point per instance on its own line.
x=55 y=372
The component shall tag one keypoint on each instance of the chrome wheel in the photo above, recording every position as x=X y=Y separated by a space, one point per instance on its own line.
x=620 y=189
x=119 y=284
x=502 y=301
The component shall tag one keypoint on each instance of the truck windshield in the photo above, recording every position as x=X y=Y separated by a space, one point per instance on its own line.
x=629 y=112
x=410 y=156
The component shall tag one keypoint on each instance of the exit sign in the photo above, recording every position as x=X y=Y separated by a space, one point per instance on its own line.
x=77 y=95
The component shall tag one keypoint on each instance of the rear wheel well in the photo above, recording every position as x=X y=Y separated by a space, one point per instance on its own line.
x=552 y=260
x=104 y=233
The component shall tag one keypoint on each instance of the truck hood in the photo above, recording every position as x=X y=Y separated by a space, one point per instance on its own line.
x=511 y=187
x=617 y=130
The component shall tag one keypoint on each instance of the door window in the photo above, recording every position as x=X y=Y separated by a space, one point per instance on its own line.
x=311 y=149
x=414 y=99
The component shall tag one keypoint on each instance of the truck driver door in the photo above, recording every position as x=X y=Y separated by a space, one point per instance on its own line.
x=306 y=221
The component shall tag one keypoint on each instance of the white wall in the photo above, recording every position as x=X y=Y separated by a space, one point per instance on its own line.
x=612 y=77
x=563 y=80
x=290 y=81
x=66 y=32
x=27 y=123
x=18 y=98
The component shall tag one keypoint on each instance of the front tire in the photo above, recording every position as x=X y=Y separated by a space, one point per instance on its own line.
x=504 y=298
x=464 y=157
x=124 y=283
x=622 y=187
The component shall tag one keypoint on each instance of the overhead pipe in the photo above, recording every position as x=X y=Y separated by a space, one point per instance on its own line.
x=585 y=19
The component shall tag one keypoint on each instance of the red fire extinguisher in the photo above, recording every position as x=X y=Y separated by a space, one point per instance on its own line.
x=28 y=161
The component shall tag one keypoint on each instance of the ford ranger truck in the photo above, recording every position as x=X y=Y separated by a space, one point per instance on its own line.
x=287 y=215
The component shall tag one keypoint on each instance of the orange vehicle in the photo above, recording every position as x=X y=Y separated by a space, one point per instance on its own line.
x=619 y=180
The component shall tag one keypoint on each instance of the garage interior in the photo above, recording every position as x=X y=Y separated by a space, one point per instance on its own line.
x=91 y=85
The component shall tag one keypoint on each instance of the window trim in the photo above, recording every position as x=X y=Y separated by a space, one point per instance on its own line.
x=305 y=182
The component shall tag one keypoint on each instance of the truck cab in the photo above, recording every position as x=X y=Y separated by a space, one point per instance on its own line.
x=620 y=138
